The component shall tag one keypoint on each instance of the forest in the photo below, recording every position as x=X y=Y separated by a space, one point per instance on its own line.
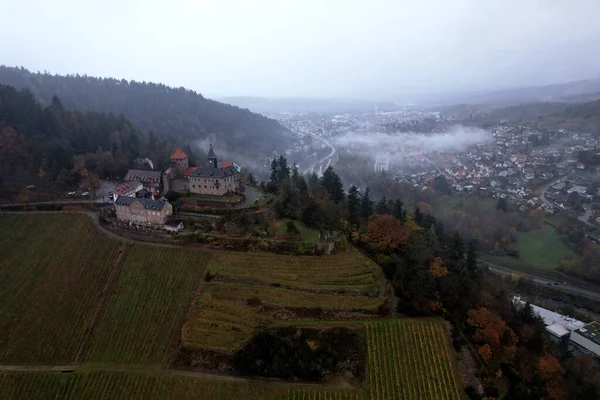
x=175 y=113
x=434 y=271
x=60 y=148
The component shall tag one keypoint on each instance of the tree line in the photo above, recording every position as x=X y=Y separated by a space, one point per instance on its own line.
x=434 y=271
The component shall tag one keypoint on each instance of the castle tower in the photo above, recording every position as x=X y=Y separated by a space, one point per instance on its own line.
x=212 y=158
x=180 y=162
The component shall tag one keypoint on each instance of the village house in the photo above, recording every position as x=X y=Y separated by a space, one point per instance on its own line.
x=147 y=212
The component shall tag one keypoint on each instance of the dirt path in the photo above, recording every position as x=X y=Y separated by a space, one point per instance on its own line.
x=99 y=305
x=338 y=385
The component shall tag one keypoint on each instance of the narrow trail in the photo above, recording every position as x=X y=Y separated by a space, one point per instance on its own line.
x=169 y=372
x=99 y=305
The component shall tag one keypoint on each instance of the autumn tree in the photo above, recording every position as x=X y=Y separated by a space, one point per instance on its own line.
x=385 y=234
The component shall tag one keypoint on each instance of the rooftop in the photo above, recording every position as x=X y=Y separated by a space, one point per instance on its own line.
x=178 y=154
x=143 y=175
x=591 y=331
x=208 y=172
x=149 y=204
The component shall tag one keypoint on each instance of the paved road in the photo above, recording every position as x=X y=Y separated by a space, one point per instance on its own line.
x=567 y=288
x=545 y=187
x=251 y=195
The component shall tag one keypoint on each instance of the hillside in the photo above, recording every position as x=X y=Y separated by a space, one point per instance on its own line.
x=111 y=316
x=305 y=105
x=576 y=117
x=171 y=112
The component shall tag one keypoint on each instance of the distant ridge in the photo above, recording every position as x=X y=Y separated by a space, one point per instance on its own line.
x=305 y=105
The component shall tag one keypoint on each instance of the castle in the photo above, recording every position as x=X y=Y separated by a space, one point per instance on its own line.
x=212 y=180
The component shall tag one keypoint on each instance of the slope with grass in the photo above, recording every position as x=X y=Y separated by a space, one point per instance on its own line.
x=248 y=291
x=52 y=270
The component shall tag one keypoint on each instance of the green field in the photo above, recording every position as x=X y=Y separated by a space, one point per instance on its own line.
x=52 y=270
x=541 y=248
x=307 y=234
x=142 y=320
x=251 y=290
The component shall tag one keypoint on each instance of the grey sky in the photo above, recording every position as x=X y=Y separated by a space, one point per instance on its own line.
x=370 y=48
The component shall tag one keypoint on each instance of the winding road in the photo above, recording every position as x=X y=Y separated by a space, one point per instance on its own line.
x=321 y=161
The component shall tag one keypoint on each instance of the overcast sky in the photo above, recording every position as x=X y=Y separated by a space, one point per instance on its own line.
x=370 y=48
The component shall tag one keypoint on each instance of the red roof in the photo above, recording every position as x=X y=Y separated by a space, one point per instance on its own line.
x=178 y=154
x=225 y=164
x=189 y=171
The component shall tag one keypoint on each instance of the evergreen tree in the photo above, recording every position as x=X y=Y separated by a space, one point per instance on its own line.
x=313 y=184
x=471 y=262
x=398 y=212
x=353 y=205
x=381 y=207
x=283 y=171
x=295 y=175
x=502 y=205
x=366 y=205
x=251 y=179
x=418 y=216
x=332 y=184
x=274 y=171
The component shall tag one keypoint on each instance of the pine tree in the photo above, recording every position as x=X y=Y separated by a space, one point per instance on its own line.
x=472 y=261
x=366 y=205
x=295 y=175
x=418 y=216
x=274 y=171
x=284 y=170
x=381 y=207
x=398 y=212
x=251 y=179
x=332 y=184
x=353 y=205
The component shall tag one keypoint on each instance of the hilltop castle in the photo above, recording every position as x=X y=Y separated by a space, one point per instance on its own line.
x=213 y=179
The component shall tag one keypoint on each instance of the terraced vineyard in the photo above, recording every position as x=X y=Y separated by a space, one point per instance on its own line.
x=410 y=359
x=248 y=290
x=52 y=270
x=142 y=320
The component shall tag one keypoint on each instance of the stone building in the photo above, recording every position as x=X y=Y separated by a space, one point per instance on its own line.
x=146 y=212
x=175 y=178
x=213 y=180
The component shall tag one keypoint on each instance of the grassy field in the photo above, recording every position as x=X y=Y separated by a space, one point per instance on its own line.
x=249 y=290
x=52 y=270
x=142 y=320
x=541 y=248
x=307 y=234
x=411 y=359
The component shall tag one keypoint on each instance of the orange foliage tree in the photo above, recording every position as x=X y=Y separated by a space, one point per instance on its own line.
x=438 y=268
x=492 y=330
x=385 y=233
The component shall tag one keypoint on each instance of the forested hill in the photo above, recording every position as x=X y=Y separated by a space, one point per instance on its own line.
x=60 y=148
x=173 y=112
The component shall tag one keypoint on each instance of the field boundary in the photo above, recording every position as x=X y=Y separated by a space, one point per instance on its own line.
x=100 y=304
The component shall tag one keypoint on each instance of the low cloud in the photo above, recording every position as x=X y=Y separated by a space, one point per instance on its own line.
x=456 y=140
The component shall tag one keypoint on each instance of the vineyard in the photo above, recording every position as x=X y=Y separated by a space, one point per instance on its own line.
x=410 y=359
x=131 y=386
x=52 y=271
x=56 y=271
x=250 y=290
x=142 y=320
